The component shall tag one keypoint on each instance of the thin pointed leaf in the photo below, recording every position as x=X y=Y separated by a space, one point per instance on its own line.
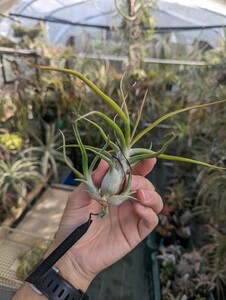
x=54 y=167
x=111 y=123
x=124 y=105
x=97 y=157
x=85 y=168
x=45 y=163
x=163 y=118
x=111 y=144
x=189 y=160
x=77 y=173
x=139 y=115
x=138 y=157
x=107 y=99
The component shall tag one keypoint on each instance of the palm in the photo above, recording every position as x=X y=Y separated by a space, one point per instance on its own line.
x=108 y=239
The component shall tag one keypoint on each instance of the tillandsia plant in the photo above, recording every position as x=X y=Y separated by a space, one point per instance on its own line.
x=120 y=151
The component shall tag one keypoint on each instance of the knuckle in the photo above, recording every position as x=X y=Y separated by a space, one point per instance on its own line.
x=154 y=219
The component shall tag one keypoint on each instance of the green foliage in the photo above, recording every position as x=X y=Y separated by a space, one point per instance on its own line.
x=47 y=150
x=29 y=259
x=18 y=174
x=11 y=141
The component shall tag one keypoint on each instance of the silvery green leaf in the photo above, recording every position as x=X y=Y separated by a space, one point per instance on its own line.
x=119 y=199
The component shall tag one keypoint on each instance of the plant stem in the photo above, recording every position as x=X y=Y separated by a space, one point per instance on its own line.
x=83 y=151
x=77 y=173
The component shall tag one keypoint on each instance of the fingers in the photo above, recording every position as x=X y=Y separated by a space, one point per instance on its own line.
x=144 y=167
x=145 y=192
x=139 y=182
x=150 y=204
x=148 y=219
x=150 y=199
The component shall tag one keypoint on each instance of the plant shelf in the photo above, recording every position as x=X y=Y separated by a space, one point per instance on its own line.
x=14 y=243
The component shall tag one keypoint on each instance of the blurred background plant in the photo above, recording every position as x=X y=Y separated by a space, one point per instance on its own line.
x=184 y=274
x=29 y=259
x=19 y=173
x=47 y=150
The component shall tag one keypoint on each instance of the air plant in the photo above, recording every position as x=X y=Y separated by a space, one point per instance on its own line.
x=119 y=152
x=47 y=150
x=18 y=174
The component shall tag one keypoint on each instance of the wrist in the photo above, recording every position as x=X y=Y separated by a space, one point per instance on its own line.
x=26 y=293
x=60 y=281
x=71 y=271
x=73 y=274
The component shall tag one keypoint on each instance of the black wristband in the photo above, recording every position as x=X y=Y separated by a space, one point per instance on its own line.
x=55 y=287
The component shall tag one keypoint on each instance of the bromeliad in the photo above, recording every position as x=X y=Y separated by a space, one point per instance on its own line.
x=120 y=153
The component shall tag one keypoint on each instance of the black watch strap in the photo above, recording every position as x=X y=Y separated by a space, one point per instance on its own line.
x=55 y=287
x=45 y=278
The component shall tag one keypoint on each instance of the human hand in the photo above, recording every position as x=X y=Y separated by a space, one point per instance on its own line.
x=108 y=239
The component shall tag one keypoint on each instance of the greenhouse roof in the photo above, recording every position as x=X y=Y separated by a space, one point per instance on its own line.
x=62 y=16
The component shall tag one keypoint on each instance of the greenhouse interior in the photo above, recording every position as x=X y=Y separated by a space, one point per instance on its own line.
x=112 y=149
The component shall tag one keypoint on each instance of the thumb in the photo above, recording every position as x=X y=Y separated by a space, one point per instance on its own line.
x=99 y=173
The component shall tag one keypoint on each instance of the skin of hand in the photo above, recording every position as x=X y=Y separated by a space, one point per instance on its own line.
x=112 y=237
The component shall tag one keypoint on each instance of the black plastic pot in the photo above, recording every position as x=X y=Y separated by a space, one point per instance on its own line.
x=152 y=267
